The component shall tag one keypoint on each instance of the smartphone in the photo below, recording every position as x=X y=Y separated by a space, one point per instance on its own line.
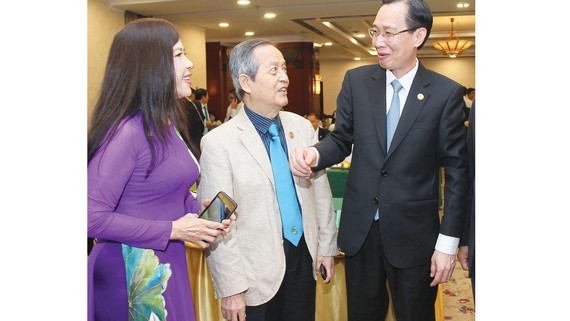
x=323 y=271
x=220 y=208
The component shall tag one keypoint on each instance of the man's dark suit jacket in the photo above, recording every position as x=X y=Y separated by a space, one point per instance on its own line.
x=468 y=237
x=322 y=133
x=195 y=125
x=402 y=183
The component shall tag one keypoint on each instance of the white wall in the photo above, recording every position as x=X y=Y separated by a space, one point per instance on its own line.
x=461 y=70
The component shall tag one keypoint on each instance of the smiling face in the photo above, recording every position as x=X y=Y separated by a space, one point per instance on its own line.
x=182 y=67
x=396 y=53
x=314 y=120
x=268 y=93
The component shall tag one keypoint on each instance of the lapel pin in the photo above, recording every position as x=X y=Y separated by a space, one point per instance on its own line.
x=291 y=134
x=421 y=96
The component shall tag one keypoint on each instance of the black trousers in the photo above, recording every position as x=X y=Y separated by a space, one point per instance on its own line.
x=295 y=299
x=367 y=293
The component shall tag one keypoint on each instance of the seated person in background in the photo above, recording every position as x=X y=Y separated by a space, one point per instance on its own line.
x=235 y=105
x=333 y=120
x=321 y=132
x=213 y=121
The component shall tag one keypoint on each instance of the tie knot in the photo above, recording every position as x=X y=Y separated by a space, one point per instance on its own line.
x=396 y=85
x=273 y=131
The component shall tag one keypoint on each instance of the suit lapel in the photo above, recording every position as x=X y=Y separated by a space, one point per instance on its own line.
x=414 y=104
x=377 y=99
x=198 y=110
x=253 y=144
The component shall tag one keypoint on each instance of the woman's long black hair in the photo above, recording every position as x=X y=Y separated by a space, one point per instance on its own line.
x=139 y=77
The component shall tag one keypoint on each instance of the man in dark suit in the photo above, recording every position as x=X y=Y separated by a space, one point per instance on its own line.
x=466 y=253
x=390 y=229
x=195 y=121
x=315 y=121
x=201 y=101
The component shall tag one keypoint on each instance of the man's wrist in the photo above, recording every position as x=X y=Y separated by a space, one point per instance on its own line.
x=316 y=162
x=447 y=244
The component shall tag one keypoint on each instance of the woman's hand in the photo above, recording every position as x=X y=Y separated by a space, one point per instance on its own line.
x=227 y=222
x=190 y=228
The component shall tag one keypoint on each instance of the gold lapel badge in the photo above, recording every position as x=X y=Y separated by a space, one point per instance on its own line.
x=291 y=135
x=421 y=96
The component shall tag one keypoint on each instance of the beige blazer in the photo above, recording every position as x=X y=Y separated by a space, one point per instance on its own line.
x=235 y=161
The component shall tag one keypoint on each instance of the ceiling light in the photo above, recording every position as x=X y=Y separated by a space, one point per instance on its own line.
x=249 y=33
x=243 y=2
x=360 y=35
x=357 y=58
x=224 y=24
x=328 y=44
x=453 y=46
x=269 y=15
x=317 y=45
x=462 y=5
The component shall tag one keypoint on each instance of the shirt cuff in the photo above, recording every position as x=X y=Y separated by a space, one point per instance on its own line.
x=317 y=158
x=447 y=244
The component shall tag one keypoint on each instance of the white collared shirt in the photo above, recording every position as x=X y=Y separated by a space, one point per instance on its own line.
x=405 y=81
x=206 y=117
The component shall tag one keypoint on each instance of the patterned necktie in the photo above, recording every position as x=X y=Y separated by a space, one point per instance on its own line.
x=393 y=114
x=286 y=195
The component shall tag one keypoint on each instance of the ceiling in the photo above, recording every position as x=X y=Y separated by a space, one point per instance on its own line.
x=317 y=21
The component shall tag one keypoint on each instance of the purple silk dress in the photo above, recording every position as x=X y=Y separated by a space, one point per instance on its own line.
x=134 y=271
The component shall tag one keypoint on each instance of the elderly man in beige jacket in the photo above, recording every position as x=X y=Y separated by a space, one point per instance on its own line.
x=257 y=271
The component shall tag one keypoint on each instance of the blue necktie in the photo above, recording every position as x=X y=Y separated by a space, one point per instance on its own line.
x=393 y=114
x=286 y=195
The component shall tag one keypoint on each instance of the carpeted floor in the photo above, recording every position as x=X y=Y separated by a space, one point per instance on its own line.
x=458 y=302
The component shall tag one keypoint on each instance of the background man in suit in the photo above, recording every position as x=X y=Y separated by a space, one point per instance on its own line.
x=202 y=101
x=468 y=99
x=195 y=123
x=466 y=252
x=257 y=271
x=319 y=130
x=390 y=227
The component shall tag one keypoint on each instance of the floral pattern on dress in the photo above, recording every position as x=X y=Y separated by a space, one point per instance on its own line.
x=147 y=279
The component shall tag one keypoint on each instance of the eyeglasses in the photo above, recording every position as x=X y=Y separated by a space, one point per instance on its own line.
x=388 y=36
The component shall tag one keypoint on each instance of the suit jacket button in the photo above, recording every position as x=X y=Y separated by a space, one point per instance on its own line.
x=375 y=200
x=384 y=173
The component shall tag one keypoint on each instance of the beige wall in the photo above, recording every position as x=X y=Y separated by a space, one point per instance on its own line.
x=102 y=25
x=461 y=70
x=194 y=41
